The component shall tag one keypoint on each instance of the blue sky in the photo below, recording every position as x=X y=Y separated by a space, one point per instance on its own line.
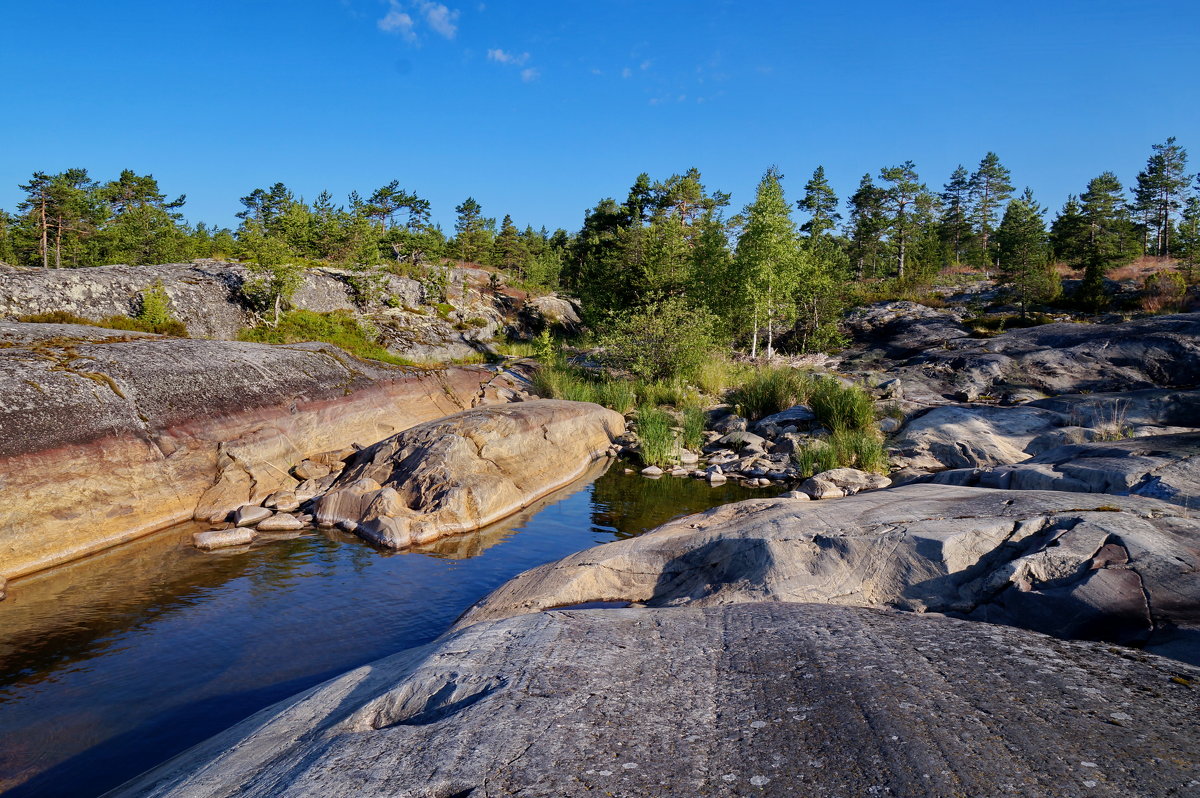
x=538 y=108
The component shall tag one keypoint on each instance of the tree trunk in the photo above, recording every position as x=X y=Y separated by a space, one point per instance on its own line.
x=45 y=236
x=754 y=335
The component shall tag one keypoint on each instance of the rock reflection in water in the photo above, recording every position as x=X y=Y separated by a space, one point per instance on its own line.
x=113 y=664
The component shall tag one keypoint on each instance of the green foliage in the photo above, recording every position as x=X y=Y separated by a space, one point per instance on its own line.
x=170 y=327
x=338 y=327
x=155 y=307
x=770 y=389
x=842 y=408
x=668 y=339
x=558 y=381
x=1023 y=251
x=673 y=392
x=692 y=436
x=844 y=449
x=546 y=349
x=658 y=446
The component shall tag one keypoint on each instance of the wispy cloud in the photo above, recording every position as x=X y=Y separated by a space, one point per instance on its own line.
x=440 y=18
x=531 y=74
x=502 y=57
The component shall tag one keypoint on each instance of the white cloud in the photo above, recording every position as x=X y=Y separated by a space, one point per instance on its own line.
x=397 y=21
x=645 y=65
x=502 y=57
x=531 y=74
x=442 y=19
x=626 y=72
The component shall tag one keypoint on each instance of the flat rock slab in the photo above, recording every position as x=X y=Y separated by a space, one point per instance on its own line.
x=770 y=699
x=1163 y=467
x=467 y=470
x=1042 y=560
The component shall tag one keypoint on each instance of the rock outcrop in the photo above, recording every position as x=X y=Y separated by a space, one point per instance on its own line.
x=939 y=362
x=110 y=435
x=769 y=699
x=465 y=471
x=1120 y=569
x=1163 y=467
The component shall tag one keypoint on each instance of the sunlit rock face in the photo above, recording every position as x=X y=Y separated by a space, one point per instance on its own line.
x=109 y=435
x=463 y=472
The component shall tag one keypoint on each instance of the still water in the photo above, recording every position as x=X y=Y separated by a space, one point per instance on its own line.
x=113 y=664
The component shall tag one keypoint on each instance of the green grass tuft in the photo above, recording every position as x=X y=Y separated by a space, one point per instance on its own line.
x=339 y=328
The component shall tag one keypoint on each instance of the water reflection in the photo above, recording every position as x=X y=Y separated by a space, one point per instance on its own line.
x=111 y=665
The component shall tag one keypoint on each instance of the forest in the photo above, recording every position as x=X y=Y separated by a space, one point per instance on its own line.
x=672 y=256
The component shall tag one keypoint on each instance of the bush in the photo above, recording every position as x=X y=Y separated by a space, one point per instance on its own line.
x=339 y=328
x=770 y=389
x=658 y=446
x=1164 y=291
x=665 y=340
x=842 y=408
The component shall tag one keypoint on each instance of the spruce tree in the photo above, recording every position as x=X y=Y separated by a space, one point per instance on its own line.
x=821 y=203
x=472 y=231
x=1102 y=212
x=1021 y=245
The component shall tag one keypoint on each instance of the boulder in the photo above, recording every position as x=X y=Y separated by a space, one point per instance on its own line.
x=904 y=329
x=280 y=522
x=799 y=416
x=765 y=699
x=839 y=482
x=730 y=423
x=284 y=501
x=467 y=470
x=307 y=469
x=652 y=471
x=741 y=440
x=1035 y=559
x=553 y=312
x=184 y=428
x=250 y=514
x=223 y=538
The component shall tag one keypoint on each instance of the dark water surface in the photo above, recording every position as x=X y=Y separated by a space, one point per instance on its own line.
x=113 y=664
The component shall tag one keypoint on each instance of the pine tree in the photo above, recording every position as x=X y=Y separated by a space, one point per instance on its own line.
x=767 y=260
x=868 y=223
x=990 y=187
x=472 y=231
x=510 y=251
x=821 y=203
x=1159 y=192
x=1021 y=245
x=909 y=203
x=1068 y=231
x=1188 y=239
x=955 y=226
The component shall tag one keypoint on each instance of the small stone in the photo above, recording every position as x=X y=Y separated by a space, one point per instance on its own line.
x=716 y=478
x=889 y=425
x=284 y=501
x=222 y=538
x=688 y=458
x=280 y=522
x=307 y=469
x=250 y=514
x=797 y=495
x=652 y=471
x=679 y=472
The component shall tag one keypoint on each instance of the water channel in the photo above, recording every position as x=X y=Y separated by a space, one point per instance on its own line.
x=113 y=664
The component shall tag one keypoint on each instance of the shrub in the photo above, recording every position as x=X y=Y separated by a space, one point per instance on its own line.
x=658 y=446
x=842 y=408
x=665 y=340
x=770 y=389
x=338 y=327
x=616 y=394
x=1164 y=291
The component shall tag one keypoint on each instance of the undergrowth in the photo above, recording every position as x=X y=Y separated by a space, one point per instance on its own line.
x=338 y=327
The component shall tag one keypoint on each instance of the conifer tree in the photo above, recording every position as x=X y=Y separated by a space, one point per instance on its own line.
x=868 y=223
x=955 y=225
x=909 y=203
x=1022 y=251
x=511 y=252
x=821 y=203
x=472 y=231
x=990 y=187
x=1100 y=248
x=1160 y=191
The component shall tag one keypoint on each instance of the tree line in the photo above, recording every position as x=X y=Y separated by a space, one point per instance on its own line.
x=672 y=247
